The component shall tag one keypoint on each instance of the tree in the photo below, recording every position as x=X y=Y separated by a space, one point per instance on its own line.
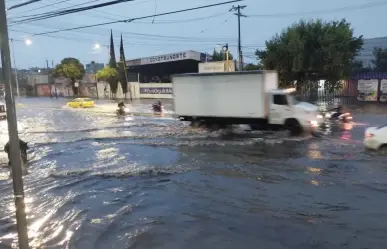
x=380 y=62
x=252 y=67
x=108 y=74
x=71 y=69
x=113 y=81
x=220 y=56
x=309 y=51
x=122 y=74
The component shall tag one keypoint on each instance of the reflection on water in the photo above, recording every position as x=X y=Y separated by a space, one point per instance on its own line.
x=313 y=151
x=105 y=182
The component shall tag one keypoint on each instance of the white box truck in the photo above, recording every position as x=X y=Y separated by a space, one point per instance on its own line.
x=218 y=100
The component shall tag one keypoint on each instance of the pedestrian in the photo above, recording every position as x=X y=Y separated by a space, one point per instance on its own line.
x=23 y=150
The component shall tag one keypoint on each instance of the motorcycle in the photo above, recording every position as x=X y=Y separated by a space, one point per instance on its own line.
x=335 y=116
x=123 y=111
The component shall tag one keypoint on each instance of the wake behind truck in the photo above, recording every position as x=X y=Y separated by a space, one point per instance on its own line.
x=218 y=100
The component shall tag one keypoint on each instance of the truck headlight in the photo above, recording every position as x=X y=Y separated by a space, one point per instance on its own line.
x=319 y=116
x=313 y=123
x=327 y=115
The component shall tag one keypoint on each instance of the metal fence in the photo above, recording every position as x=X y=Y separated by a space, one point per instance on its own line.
x=346 y=95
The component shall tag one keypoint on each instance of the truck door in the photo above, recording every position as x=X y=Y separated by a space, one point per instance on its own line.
x=279 y=109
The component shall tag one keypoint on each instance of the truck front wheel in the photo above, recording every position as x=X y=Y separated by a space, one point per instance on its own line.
x=293 y=126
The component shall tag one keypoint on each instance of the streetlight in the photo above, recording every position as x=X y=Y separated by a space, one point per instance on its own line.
x=225 y=52
x=27 y=42
x=97 y=48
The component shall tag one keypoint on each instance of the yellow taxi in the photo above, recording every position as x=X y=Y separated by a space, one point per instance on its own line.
x=81 y=103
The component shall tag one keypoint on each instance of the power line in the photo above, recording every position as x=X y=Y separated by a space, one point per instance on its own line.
x=150 y=37
x=23 y=4
x=44 y=6
x=136 y=35
x=137 y=18
x=326 y=11
x=54 y=11
x=52 y=14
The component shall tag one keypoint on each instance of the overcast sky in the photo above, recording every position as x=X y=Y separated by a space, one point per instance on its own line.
x=199 y=30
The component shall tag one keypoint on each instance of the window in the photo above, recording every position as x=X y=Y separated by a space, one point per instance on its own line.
x=280 y=99
x=293 y=98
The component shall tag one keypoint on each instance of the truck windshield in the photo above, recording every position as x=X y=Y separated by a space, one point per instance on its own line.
x=294 y=99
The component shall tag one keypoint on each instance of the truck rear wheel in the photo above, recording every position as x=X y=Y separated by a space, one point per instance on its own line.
x=293 y=126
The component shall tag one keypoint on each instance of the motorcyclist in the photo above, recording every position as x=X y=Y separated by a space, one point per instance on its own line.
x=157 y=107
x=23 y=149
x=121 y=107
x=338 y=111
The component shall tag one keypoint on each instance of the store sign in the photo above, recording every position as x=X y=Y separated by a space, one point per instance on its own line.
x=168 y=57
x=188 y=55
x=155 y=90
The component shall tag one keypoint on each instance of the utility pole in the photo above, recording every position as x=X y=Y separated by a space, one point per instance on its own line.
x=14 y=151
x=239 y=15
x=48 y=79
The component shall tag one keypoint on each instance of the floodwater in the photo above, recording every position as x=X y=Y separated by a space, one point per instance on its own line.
x=99 y=181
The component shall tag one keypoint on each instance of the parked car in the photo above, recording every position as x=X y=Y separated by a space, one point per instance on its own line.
x=81 y=103
x=376 y=138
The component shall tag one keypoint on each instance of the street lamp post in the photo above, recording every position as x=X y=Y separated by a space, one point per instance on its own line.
x=14 y=65
x=225 y=50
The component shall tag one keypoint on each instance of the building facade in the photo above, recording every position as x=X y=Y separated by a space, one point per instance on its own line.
x=94 y=67
x=366 y=55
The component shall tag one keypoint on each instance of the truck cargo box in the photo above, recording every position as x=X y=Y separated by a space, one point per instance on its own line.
x=229 y=94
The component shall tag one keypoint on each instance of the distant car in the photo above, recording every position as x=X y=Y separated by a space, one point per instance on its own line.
x=81 y=103
x=376 y=138
x=3 y=111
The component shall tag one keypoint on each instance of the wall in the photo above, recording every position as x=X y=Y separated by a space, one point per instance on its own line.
x=155 y=90
x=48 y=90
x=38 y=79
x=101 y=90
x=217 y=66
x=42 y=90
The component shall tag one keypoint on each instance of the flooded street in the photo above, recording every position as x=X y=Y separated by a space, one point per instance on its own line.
x=99 y=181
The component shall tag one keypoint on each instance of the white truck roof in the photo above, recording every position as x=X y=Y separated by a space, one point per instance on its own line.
x=283 y=91
x=225 y=73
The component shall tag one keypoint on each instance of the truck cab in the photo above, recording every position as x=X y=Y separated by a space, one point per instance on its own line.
x=285 y=109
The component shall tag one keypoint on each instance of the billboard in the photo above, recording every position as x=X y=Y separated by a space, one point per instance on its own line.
x=155 y=90
x=383 y=90
x=216 y=67
x=367 y=90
